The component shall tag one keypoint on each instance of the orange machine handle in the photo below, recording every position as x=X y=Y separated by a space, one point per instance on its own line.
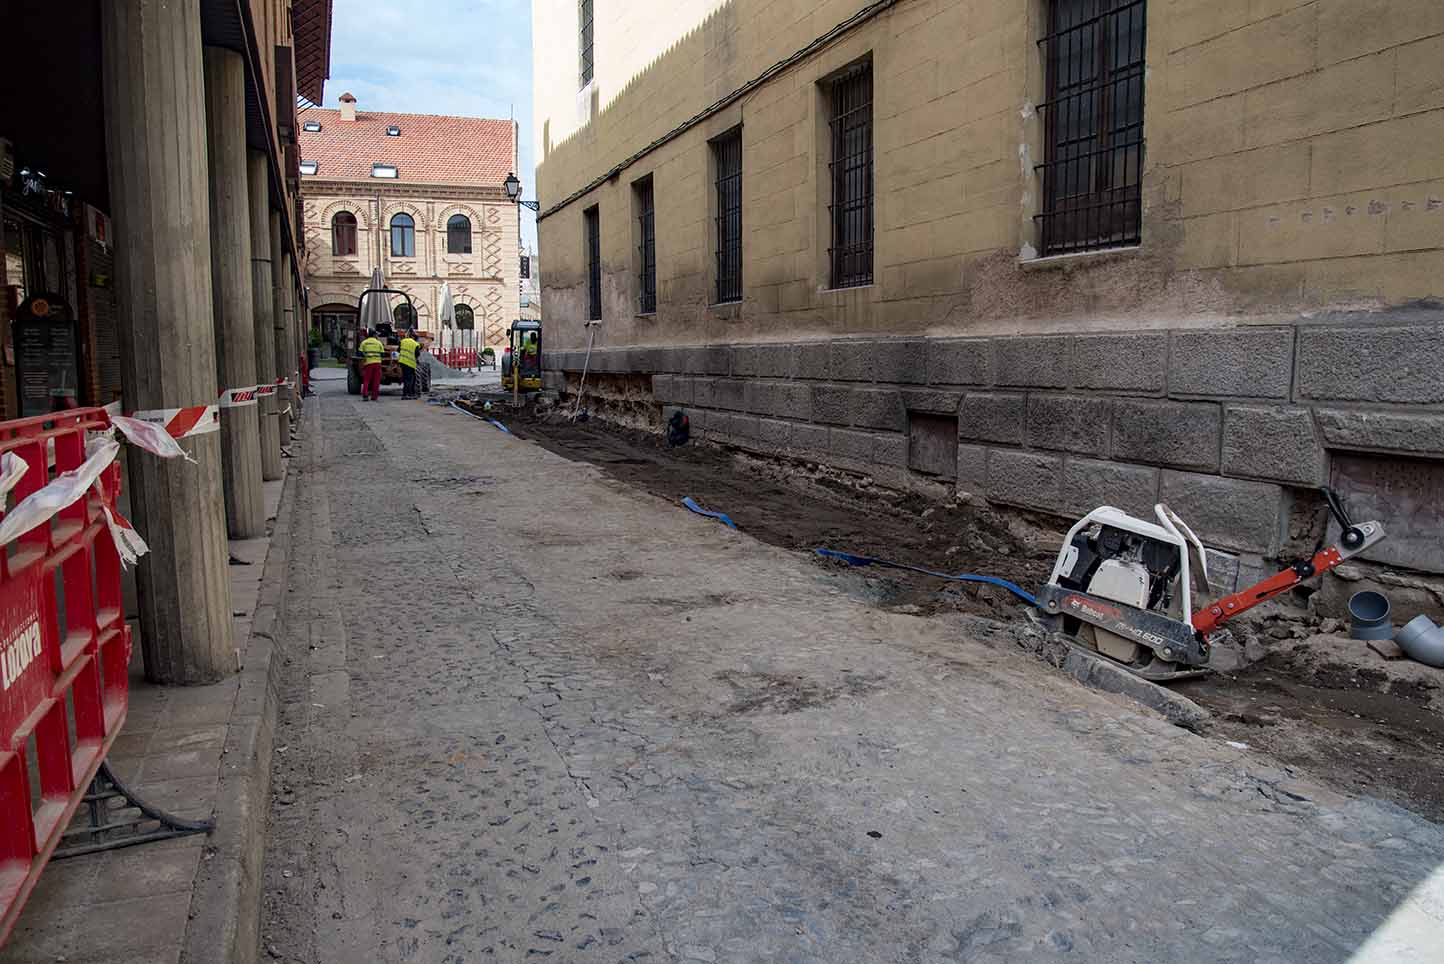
x=1212 y=616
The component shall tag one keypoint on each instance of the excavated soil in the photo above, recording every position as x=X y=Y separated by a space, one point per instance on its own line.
x=1358 y=728
x=1355 y=728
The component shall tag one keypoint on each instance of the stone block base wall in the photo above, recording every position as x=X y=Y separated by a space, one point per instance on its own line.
x=1229 y=426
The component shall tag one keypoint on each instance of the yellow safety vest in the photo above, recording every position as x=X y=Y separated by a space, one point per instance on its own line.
x=408 y=352
x=371 y=351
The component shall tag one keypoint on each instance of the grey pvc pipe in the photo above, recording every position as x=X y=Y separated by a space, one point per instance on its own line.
x=1423 y=641
x=1369 y=616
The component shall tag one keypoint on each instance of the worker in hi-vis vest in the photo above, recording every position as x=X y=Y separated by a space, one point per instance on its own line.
x=371 y=351
x=407 y=357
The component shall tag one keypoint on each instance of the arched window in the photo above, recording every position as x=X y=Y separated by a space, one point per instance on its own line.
x=458 y=234
x=403 y=313
x=403 y=236
x=465 y=318
x=343 y=234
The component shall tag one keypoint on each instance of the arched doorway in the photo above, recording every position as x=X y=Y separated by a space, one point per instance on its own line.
x=334 y=320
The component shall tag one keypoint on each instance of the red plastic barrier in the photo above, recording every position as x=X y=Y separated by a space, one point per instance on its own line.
x=64 y=652
x=457 y=357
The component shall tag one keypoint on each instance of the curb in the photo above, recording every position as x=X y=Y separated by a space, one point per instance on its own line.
x=1099 y=674
x=225 y=912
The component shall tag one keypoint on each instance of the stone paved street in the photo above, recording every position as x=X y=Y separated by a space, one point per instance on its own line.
x=531 y=714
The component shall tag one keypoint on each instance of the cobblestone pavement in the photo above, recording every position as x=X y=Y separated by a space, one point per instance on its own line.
x=531 y=714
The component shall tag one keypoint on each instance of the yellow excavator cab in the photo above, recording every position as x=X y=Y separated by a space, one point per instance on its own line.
x=523 y=356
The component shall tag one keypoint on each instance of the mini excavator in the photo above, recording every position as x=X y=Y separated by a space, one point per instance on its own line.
x=1124 y=588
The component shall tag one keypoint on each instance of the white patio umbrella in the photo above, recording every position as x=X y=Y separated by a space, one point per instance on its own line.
x=374 y=312
x=447 y=311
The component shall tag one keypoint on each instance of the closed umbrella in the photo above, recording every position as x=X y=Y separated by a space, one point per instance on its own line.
x=448 y=310
x=374 y=312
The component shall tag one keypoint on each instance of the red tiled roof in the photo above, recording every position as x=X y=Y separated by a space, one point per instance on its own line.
x=432 y=148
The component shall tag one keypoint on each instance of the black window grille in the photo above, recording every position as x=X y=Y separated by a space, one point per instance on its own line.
x=727 y=154
x=594 y=263
x=850 y=120
x=584 y=18
x=458 y=234
x=343 y=234
x=1093 y=126
x=646 y=247
x=464 y=317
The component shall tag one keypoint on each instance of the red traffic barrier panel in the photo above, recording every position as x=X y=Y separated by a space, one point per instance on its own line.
x=64 y=652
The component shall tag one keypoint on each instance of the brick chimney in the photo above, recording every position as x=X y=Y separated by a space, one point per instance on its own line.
x=348 y=107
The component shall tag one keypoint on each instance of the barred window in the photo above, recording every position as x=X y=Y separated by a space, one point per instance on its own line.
x=850 y=123
x=646 y=246
x=727 y=156
x=584 y=19
x=1092 y=126
x=593 y=227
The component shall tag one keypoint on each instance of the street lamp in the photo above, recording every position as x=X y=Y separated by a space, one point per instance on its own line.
x=512 y=185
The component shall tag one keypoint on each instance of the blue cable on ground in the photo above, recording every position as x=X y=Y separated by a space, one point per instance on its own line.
x=853 y=560
x=481 y=418
x=720 y=517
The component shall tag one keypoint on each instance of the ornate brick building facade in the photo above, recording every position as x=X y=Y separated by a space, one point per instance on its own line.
x=421 y=197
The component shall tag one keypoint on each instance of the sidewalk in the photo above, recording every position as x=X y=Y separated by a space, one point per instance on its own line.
x=196 y=752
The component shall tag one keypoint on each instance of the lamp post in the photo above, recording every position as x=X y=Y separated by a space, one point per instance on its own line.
x=512 y=185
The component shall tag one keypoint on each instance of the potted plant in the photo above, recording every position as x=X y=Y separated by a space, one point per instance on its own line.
x=313 y=349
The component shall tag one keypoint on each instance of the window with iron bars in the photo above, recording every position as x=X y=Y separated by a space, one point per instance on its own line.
x=646 y=246
x=1092 y=126
x=584 y=19
x=593 y=226
x=727 y=155
x=850 y=169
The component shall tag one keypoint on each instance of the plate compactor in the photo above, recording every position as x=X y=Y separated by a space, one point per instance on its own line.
x=1124 y=588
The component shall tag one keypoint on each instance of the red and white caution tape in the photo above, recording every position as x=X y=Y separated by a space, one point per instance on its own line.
x=184 y=422
x=12 y=470
x=39 y=507
x=151 y=436
x=236 y=397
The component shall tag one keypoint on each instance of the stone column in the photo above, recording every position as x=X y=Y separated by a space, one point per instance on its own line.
x=155 y=124
x=288 y=306
x=278 y=318
x=231 y=284
x=263 y=307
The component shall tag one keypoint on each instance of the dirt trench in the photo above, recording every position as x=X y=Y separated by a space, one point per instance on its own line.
x=1353 y=727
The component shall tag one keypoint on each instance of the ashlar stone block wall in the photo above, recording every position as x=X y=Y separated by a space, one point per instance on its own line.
x=1223 y=424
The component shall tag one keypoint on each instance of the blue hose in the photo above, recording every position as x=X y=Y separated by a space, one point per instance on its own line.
x=481 y=418
x=720 y=517
x=853 y=560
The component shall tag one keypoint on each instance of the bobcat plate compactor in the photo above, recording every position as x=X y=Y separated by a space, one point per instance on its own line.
x=1125 y=588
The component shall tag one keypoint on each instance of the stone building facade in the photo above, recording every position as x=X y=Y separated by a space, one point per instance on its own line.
x=439 y=216
x=1059 y=253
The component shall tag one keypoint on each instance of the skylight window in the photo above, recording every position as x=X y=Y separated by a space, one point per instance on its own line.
x=310 y=167
x=312 y=126
x=393 y=131
x=383 y=170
